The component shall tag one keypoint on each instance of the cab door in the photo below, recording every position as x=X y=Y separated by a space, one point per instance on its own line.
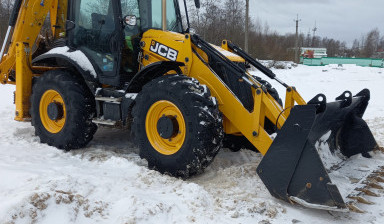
x=97 y=32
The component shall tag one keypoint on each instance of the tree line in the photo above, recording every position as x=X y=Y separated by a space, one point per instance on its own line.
x=5 y=12
x=224 y=19
x=219 y=19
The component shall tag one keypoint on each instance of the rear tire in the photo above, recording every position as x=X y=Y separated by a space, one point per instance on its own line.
x=74 y=107
x=197 y=128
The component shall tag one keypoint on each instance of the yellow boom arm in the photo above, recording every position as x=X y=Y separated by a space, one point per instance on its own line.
x=15 y=67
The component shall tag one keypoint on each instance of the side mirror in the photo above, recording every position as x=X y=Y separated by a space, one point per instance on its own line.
x=130 y=20
x=197 y=3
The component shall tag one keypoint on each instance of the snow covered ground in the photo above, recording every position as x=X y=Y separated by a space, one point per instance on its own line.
x=107 y=182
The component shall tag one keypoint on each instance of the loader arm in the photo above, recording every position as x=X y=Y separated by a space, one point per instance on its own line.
x=301 y=175
x=292 y=168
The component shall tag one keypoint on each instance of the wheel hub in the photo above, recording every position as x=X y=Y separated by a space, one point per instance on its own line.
x=167 y=127
x=52 y=111
x=55 y=111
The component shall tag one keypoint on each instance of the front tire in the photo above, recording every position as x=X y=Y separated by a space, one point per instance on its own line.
x=177 y=125
x=62 y=110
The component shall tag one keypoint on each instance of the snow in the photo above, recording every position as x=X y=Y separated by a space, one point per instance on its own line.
x=225 y=52
x=131 y=96
x=107 y=182
x=329 y=160
x=332 y=81
x=76 y=56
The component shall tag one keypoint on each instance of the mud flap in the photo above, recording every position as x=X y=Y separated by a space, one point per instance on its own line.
x=292 y=169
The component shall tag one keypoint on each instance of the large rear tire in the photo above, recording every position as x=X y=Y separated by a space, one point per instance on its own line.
x=62 y=110
x=177 y=125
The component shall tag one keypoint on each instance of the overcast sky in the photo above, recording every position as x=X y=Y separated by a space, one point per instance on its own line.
x=343 y=20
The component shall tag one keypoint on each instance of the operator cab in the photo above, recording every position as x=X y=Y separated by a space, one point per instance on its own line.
x=109 y=33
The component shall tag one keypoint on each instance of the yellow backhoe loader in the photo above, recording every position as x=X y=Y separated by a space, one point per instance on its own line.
x=132 y=63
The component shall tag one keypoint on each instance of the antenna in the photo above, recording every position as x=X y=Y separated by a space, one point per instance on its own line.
x=314 y=29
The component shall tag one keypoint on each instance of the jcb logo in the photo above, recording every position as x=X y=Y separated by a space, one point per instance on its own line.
x=163 y=50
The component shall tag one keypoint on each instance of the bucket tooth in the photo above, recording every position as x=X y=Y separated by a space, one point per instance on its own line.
x=368 y=192
x=375 y=185
x=380 y=173
x=361 y=200
x=353 y=208
x=381 y=149
x=375 y=177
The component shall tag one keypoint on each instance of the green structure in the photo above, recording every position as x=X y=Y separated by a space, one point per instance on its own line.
x=365 y=62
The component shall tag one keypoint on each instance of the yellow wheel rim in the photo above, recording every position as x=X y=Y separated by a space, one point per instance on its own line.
x=53 y=126
x=156 y=111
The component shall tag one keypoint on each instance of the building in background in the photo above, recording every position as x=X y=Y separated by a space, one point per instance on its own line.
x=311 y=52
x=379 y=54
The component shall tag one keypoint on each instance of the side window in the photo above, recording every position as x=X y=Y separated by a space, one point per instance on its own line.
x=130 y=7
x=156 y=14
x=130 y=53
x=172 y=22
x=94 y=13
x=95 y=32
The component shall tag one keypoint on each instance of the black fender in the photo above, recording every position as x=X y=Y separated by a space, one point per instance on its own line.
x=151 y=72
x=62 y=60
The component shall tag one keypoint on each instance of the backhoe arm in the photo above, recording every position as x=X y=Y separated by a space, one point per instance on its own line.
x=25 y=24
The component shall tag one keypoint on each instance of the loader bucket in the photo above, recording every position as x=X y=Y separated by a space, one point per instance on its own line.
x=293 y=170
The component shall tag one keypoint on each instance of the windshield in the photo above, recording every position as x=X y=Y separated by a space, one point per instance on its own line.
x=151 y=15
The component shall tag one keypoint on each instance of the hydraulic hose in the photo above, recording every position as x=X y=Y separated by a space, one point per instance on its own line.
x=255 y=63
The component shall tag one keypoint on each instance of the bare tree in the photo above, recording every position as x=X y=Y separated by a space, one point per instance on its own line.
x=371 y=43
x=5 y=12
x=355 y=51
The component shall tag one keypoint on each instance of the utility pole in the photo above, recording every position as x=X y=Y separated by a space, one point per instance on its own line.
x=297 y=39
x=314 y=35
x=308 y=42
x=246 y=25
